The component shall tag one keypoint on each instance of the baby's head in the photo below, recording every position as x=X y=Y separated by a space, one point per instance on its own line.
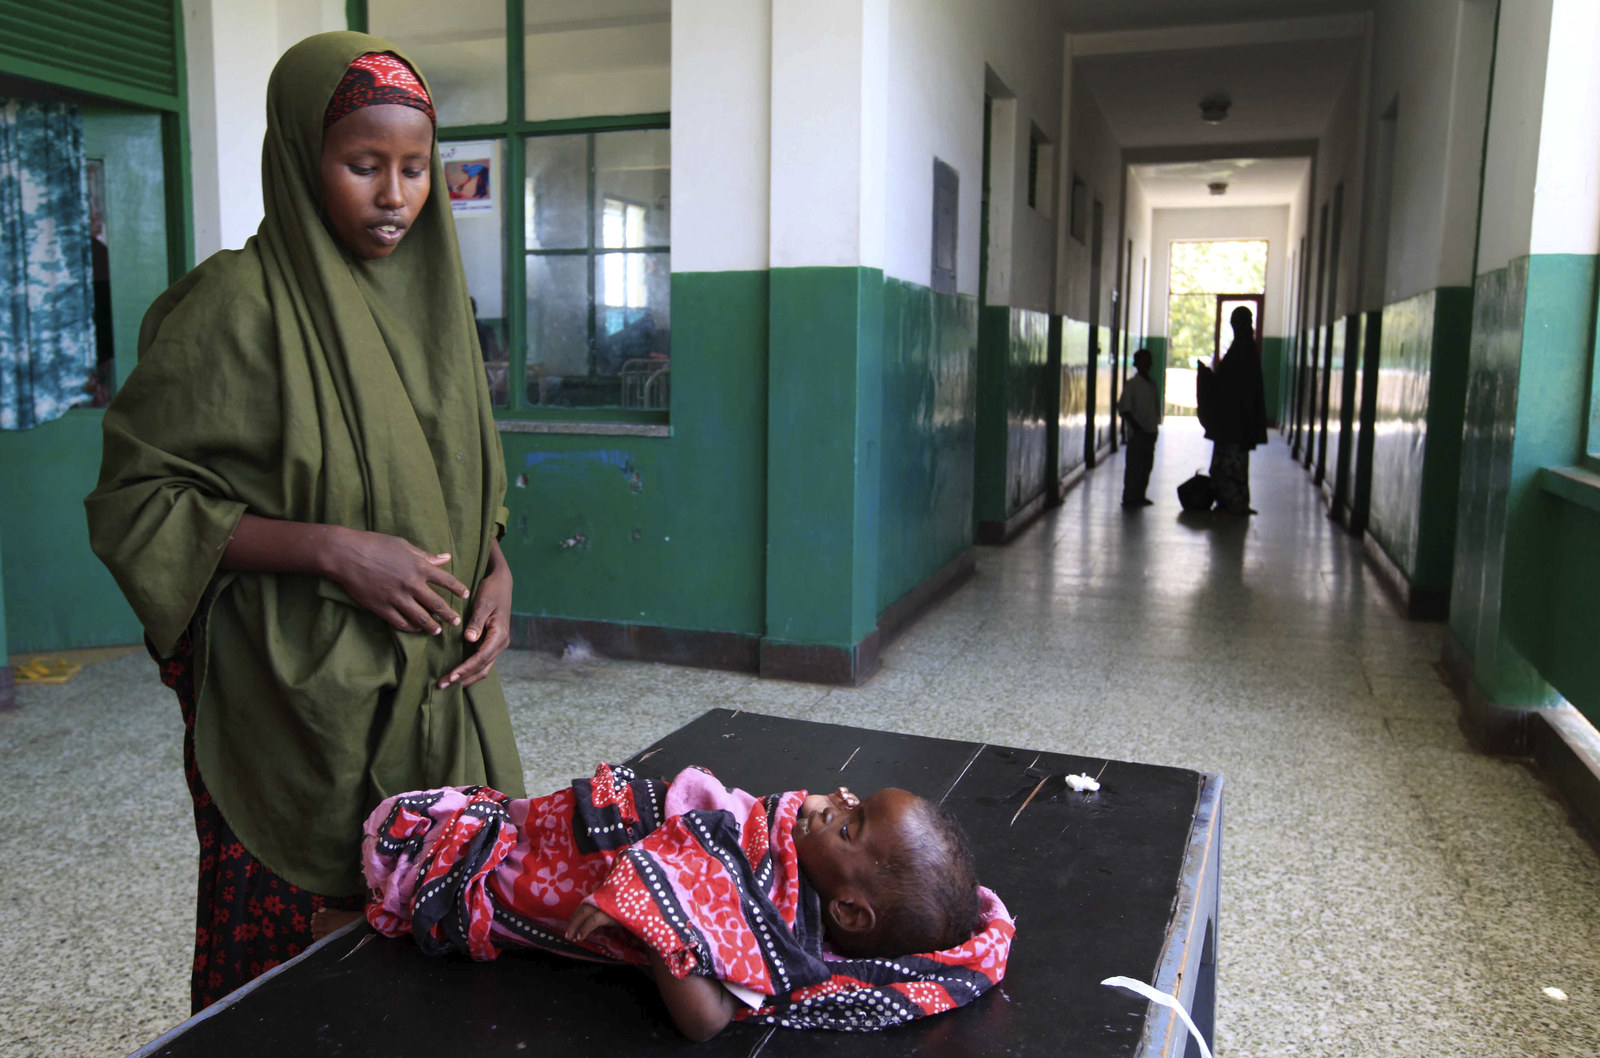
x=894 y=872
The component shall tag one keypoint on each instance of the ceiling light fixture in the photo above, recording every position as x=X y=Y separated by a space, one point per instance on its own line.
x=1214 y=108
x=1218 y=188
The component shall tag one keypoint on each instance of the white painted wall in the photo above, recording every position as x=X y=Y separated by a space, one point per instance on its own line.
x=227 y=113
x=1246 y=222
x=1546 y=109
x=818 y=128
x=1140 y=217
x=864 y=95
x=1094 y=156
x=721 y=134
x=1341 y=159
x=1521 y=55
x=1566 y=203
x=1433 y=56
x=937 y=51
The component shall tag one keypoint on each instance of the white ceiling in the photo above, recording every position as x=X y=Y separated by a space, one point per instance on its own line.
x=1251 y=182
x=1096 y=16
x=1280 y=91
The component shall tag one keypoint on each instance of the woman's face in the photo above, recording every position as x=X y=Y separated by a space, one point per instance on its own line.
x=375 y=176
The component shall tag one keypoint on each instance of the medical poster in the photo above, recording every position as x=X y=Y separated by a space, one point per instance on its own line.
x=469 y=171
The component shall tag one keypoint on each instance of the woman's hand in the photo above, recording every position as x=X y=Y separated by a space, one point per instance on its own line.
x=394 y=579
x=389 y=576
x=489 y=622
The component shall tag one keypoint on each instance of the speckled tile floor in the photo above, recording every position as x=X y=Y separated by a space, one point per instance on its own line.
x=1386 y=891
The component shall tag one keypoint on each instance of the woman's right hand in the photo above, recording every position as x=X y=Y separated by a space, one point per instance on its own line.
x=394 y=579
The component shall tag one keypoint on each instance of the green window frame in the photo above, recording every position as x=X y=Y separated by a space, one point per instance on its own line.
x=514 y=134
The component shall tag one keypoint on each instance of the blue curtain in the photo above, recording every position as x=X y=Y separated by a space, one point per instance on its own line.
x=47 y=346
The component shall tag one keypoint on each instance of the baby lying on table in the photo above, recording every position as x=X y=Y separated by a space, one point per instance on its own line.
x=807 y=911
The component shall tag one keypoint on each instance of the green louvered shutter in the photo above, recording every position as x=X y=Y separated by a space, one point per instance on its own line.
x=125 y=49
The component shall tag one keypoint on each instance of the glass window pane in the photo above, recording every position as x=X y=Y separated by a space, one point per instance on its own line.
x=475 y=172
x=594 y=57
x=558 y=328
x=632 y=316
x=556 y=195
x=633 y=188
x=460 y=46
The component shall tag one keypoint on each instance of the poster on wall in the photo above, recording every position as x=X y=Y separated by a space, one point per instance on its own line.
x=468 y=172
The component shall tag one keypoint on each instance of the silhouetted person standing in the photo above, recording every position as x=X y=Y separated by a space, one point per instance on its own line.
x=1238 y=420
x=1140 y=408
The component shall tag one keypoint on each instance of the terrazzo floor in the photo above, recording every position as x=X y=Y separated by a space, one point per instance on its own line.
x=1386 y=891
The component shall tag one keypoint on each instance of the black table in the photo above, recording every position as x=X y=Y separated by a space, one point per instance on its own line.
x=1118 y=882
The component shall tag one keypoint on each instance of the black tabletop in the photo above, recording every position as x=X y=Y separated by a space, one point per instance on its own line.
x=1091 y=879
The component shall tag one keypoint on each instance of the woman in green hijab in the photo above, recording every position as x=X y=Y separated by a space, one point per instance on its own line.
x=300 y=496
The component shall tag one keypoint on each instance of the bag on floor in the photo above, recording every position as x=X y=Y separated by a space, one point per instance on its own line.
x=1197 y=494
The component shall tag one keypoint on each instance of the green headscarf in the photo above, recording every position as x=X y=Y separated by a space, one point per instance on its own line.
x=296 y=381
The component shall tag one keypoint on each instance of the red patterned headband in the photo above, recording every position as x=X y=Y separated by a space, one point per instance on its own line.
x=376 y=79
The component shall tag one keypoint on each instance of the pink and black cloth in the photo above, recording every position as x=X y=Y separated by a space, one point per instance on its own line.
x=705 y=875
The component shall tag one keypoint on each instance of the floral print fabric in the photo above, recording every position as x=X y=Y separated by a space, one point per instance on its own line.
x=247 y=919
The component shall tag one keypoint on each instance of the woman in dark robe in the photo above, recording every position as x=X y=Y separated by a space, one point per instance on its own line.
x=1236 y=419
x=300 y=495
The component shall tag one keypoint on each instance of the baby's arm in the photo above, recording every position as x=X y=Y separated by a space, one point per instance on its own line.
x=699 y=1006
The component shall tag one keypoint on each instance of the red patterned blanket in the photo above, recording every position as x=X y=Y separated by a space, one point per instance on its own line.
x=713 y=885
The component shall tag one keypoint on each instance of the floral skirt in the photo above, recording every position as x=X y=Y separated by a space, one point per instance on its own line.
x=247 y=919
x=1230 y=476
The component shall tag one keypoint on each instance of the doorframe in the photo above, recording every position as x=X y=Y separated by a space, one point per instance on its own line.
x=1260 y=301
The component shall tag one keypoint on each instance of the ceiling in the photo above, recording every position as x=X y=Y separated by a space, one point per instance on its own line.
x=1280 y=91
x=1251 y=182
x=1098 y=16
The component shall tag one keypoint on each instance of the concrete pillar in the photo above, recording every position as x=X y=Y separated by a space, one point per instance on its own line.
x=230 y=50
x=828 y=126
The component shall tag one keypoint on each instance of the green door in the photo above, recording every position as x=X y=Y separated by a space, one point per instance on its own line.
x=56 y=593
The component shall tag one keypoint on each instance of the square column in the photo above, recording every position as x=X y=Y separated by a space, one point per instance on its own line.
x=825 y=347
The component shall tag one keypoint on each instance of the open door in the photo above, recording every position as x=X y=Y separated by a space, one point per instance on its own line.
x=1226 y=303
x=50 y=574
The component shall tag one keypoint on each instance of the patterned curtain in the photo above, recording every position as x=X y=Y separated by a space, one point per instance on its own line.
x=47 y=344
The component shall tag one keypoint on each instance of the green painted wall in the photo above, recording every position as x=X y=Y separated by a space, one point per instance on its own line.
x=1366 y=420
x=1014 y=394
x=1273 y=373
x=1157 y=345
x=1346 y=434
x=1564 y=649
x=833 y=405
x=824 y=412
x=1528 y=567
x=673 y=527
x=4 y=649
x=990 y=435
x=1100 y=388
x=1074 y=423
x=59 y=594
x=930 y=351
x=1417 y=442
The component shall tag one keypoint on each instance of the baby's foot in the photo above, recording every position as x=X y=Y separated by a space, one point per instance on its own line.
x=326 y=920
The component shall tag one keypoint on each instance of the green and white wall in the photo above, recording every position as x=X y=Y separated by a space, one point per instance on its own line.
x=1432 y=62
x=1523 y=620
x=1095 y=157
x=821 y=460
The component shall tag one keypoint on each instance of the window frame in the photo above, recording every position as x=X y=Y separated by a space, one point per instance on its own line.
x=513 y=134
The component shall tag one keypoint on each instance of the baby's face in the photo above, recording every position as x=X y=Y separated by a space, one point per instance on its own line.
x=841 y=839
